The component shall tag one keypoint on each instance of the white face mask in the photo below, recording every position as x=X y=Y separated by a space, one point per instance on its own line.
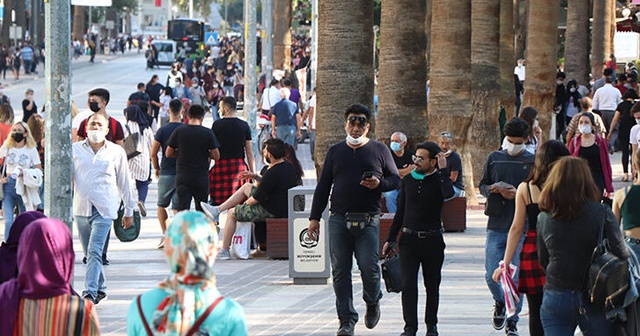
x=355 y=141
x=520 y=64
x=572 y=90
x=536 y=123
x=513 y=149
x=584 y=129
x=559 y=82
x=638 y=121
x=96 y=136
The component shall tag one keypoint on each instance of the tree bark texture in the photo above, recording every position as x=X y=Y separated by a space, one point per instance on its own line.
x=345 y=67
x=402 y=104
x=450 y=81
x=539 y=87
x=576 y=45
x=6 y=23
x=507 y=58
x=282 y=34
x=78 y=22
x=484 y=132
x=521 y=19
x=600 y=36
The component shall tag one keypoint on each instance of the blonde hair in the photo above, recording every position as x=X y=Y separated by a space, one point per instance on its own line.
x=74 y=109
x=31 y=143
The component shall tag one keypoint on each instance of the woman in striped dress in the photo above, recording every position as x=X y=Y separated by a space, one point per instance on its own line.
x=40 y=300
x=531 y=278
x=140 y=165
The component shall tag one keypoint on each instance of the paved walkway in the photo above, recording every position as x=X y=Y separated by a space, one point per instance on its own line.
x=274 y=306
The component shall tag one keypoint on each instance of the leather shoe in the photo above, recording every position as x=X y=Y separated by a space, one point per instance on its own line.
x=432 y=330
x=372 y=316
x=346 y=328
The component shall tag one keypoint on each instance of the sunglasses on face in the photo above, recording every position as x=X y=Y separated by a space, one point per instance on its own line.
x=417 y=159
x=357 y=119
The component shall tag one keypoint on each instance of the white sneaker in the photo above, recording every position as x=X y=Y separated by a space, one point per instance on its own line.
x=212 y=211
x=224 y=254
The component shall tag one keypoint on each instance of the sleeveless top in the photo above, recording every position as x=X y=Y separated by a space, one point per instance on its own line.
x=630 y=211
x=532 y=211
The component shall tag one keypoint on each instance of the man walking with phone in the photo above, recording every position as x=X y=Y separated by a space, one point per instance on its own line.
x=359 y=169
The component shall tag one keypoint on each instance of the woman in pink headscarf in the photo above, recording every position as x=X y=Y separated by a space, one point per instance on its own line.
x=9 y=248
x=43 y=287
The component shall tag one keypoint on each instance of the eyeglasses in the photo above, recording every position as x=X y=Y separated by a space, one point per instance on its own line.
x=446 y=135
x=357 y=119
x=417 y=159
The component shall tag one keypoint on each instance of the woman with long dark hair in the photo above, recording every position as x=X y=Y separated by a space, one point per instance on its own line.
x=624 y=114
x=531 y=276
x=568 y=231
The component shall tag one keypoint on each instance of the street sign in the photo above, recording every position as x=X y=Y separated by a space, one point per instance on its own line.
x=109 y=24
x=15 y=32
x=210 y=38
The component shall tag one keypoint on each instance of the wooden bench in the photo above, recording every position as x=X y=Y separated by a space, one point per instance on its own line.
x=278 y=238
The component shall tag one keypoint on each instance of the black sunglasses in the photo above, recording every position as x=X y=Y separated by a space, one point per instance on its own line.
x=353 y=119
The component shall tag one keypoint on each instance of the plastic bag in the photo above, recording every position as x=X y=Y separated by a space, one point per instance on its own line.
x=241 y=242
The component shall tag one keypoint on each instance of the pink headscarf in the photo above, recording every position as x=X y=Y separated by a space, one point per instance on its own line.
x=9 y=249
x=45 y=268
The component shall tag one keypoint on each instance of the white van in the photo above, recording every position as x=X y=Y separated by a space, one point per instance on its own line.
x=166 y=51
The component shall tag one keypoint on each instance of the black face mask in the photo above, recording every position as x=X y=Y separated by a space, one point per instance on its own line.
x=93 y=106
x=17 y=136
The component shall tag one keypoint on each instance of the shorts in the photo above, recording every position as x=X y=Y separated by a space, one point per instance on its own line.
x=167 y=192
x=251 y=213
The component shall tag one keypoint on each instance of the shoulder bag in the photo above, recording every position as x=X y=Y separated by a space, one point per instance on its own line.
x=132 y=144
x=608 y=277
x=130 y=234
x=196 y=326
x=391 y=271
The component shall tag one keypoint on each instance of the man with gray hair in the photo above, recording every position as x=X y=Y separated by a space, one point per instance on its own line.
x=285 y=119
x=404 y=162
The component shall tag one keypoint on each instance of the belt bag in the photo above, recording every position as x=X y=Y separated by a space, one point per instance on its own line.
x=357 y=220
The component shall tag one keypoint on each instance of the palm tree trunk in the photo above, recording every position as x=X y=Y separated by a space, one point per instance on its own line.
x=78 y=22
x=282 y=34
x=539 y=87
x=402 y=104
x=576 y=46
x=450 y=81
x=345 y=67
x=6 y=23
x=521 y=23
x=507 y=58
x=485 y=90
x=600 y=36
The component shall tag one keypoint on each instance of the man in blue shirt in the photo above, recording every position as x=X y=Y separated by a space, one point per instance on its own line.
x=285 y=119
x=27 y=57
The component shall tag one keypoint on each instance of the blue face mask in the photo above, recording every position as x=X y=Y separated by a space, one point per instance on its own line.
x=395 y=146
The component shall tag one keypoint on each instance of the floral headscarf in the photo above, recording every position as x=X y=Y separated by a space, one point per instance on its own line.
x=191 y=249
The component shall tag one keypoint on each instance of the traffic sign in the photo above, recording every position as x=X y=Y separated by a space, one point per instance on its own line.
x=210 y=38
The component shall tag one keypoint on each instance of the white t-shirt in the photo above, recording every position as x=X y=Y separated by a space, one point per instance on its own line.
x=520 y=71
x=312 y=103
x=634 y=136
x=164 y=113
x=77 y=120
x=270 y=97
x=19 y=158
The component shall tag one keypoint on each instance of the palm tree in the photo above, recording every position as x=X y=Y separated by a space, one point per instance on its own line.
x=576 y=45
x=539 y=87
x=450 y=79
x=282 y=34
x=485 y=89
x=600 y=36
x=78 y=22
x=507 y=57
x=520 y=25
x=345 y=67
x=403 y=72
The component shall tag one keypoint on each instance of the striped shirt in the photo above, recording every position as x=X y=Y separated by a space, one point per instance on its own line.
x=140 y=166
x=61 y=315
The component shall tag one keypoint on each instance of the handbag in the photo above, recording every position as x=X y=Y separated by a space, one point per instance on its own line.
x=132 y=144
x=391 y=271
x=608 y=277
x=495 y=205
x=130 y=234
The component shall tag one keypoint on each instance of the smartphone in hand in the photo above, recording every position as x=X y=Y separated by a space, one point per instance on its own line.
x=367 y=175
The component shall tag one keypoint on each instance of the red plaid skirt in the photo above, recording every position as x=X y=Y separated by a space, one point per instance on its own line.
x=223 y=179
x=531 y=278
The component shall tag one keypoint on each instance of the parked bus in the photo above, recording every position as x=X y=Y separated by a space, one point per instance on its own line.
x=190 y=31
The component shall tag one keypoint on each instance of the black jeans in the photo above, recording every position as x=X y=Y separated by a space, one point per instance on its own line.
x=428 y=253
x=535 y=324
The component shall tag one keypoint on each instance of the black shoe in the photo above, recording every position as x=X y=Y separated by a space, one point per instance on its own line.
x=499 y=315
x=84 y=260
x=431 y=331
x=90 y=298
x=105 y=261
x=511 y=329
x=409 y=332
x=372 y=316
x=101 y=296
x=346 y=328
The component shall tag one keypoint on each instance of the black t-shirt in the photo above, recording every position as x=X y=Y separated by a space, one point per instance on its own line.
x=232 y=134
x=455 y=164
x=3 y=57
x=193 y=143
x=167 y=165
x=26 y=114
x=273 y=189
x=141 y=99
x=405 y=160
x=228 y=77
x=154 y=91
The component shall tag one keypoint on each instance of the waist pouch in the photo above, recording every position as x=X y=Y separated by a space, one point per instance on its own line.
x=357 y=220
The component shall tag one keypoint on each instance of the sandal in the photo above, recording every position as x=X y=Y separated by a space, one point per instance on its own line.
x=625 y=178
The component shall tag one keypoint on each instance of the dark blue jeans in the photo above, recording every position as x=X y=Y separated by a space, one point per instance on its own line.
x=563 y=310
x=343 y=244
